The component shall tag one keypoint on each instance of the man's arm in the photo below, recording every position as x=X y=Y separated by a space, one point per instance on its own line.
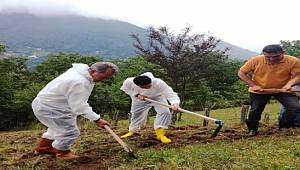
x=244 y=77
x=127 y=87
x=77 y=96
x=295 y=75
x=171 y=96
x=293 y=81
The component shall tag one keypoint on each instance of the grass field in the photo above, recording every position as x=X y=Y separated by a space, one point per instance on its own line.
x=191 y=147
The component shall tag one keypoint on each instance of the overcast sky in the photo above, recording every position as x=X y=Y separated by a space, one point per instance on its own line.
x=250 y=24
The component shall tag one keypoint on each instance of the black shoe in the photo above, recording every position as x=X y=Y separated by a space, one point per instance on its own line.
x=252 y=133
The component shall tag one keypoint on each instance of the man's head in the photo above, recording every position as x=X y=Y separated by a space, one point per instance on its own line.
x=273 y=53
x=142 y=81
x=102 y=70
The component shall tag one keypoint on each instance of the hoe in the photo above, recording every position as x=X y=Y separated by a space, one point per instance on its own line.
x=123 y=144
x=218 y=122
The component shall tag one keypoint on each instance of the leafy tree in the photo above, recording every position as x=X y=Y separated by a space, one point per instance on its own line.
x=16 y=94
x=56 y=64
x=187 y=59
x=2 y=48
x=291 y=47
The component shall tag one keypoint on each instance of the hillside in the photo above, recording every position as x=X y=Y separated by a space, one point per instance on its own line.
x=191 y=147
x=39 y=35
x=27 y=33
x=235 y=51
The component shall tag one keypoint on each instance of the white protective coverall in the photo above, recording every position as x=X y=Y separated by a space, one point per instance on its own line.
x=160 y=92
x=59 y=103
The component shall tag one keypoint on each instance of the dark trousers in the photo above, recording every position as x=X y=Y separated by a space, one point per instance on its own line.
x=259 y=101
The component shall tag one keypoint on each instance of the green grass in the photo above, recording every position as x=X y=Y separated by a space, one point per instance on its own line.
x=276 y=151
x=265 y=153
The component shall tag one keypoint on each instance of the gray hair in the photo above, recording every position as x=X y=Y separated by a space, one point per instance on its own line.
x=103 y=66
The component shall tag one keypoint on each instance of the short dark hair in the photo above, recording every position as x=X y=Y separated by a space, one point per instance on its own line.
x=142 y=80
x=273 y=48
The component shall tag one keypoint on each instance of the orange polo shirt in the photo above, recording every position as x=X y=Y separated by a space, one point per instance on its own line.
x=271 y=75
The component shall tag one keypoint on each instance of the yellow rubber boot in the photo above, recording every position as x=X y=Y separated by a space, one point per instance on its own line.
x=160 y=135
x=130 y=133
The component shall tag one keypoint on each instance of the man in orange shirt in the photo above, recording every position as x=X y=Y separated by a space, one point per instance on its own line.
x=271 y=70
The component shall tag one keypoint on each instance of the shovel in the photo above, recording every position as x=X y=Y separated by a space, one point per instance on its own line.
x=218 y=122
x=123 y=144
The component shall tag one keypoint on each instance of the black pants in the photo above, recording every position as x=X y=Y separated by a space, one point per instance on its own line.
x=259 y=101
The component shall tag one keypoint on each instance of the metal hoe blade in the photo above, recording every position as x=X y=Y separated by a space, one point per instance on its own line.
x=220 y=123
x=120 y=141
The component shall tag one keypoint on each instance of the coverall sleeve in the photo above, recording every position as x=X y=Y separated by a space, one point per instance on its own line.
x=127 y=87
x=168 y=92
x=78 y=97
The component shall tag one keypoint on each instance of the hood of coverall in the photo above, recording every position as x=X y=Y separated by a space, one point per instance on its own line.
x=150 y=75
x=83 y=70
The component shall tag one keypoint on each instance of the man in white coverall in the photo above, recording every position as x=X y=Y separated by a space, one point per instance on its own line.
x=146 y=85
x=59 y=103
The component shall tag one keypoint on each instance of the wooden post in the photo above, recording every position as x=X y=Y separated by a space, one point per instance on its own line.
x=174 y=117
x=244 y=112
x=129 y=117
x=205 y=122
x=267 y=118
x=115 y=118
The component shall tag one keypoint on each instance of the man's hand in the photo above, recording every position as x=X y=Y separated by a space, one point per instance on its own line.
x=287 y=88
x=101 y=123
x=257 y=88
x=175 y=107
x=141 y=97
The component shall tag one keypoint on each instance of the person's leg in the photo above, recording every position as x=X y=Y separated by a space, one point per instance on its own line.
x=139 y=112
x=291 y=103
x=281 y=117
x=62 y=128
x=162 y=120
x=258 y=103
x=45 y=142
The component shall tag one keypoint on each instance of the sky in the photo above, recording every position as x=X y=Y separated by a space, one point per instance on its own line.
x=249 y=24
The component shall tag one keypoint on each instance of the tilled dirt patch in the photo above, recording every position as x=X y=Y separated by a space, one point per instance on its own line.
x=107 y=153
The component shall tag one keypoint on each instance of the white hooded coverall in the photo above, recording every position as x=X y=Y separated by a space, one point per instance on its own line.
x=160 y=92
x=59 y=103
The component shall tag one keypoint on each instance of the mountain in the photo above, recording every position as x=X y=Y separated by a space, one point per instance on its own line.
x=235 y=51
x=28 y=35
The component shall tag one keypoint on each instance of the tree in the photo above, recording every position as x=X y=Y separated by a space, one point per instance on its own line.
x=2 y=48
x=291 y=47
x=16 y=94
x=187 y=59
x=56 y=64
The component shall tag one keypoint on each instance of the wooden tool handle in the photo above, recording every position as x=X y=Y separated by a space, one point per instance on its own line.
x=273 y=90
x=181 y=110
x=118 y=139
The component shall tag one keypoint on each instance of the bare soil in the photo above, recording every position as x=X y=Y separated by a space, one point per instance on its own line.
x=108 y=153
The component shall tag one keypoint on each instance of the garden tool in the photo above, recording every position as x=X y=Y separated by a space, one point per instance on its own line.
x=218 y=122
x=273 y=90
x=119 y=140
